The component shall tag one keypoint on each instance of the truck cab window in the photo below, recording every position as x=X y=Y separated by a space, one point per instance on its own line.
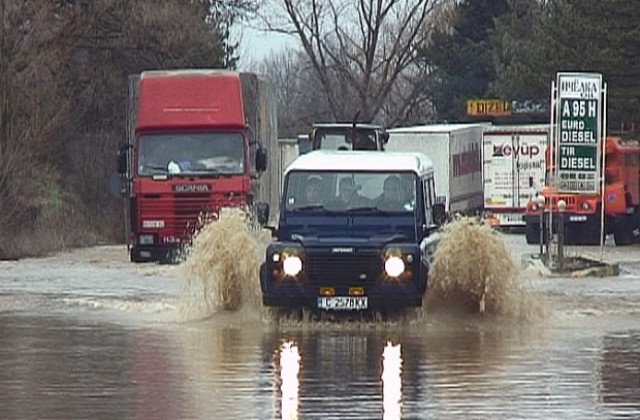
x=191 y=153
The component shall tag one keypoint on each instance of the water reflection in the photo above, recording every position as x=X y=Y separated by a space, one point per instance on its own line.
x=289 y=368
x=59 y=368
x=337 y=374
x=392 y=381
x=620 y=373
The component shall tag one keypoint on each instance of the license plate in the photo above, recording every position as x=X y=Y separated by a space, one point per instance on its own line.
x=510 y=219
x=581 y=218
x=343 y=303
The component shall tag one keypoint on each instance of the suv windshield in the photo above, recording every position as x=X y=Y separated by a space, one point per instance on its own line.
x=191 y=154
x=350 y=191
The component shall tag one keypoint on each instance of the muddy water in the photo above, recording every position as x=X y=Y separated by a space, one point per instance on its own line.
x=88 y=335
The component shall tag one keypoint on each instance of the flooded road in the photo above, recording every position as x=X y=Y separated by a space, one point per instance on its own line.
x=86 y=334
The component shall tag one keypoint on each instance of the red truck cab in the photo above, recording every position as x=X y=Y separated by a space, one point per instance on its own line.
x=582 y=216
x=189 y=155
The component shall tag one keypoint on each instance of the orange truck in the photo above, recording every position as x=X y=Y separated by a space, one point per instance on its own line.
x=582 y=216
x=197 y=141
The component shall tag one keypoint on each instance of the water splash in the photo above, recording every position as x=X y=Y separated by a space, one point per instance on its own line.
x=473 y=271
x=221 y=267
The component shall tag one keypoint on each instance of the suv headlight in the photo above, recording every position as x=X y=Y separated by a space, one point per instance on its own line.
x=292 y=265
x=394 y=266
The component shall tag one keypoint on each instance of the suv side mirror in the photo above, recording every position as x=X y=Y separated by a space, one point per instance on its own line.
x=439 y=214
x=384 y=136
x=122 y=162
x=304 y=145
x=261 y=159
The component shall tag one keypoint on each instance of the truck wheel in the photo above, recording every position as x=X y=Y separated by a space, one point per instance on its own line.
x=592 y=237
x=623 y=231
x=532 y=233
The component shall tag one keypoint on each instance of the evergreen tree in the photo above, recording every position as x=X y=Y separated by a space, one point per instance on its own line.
x=460 y=57
x=536 y=40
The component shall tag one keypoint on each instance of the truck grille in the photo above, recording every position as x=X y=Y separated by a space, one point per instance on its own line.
x=340 y=269
x=569 y=200
x=180 y=212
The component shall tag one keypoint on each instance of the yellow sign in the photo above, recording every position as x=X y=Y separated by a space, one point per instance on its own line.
x=488 y=107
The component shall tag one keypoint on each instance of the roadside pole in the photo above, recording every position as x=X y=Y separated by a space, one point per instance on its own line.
x=562 y=206
x=540 y=201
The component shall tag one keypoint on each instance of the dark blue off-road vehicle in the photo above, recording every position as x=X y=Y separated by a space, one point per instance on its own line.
x=356 y=231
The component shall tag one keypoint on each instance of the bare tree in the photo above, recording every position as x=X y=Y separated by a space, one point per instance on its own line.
x=63 y=72
x=30 y=111
x=298 y=92
x=363 y=52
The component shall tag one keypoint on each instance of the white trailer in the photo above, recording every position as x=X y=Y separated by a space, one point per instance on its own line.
x=513 y=170
x=456 y=152
x=289 y=151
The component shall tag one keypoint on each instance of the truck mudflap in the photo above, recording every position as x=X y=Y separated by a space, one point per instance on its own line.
x=579 y=229
x=141 y=253
x=625 y=228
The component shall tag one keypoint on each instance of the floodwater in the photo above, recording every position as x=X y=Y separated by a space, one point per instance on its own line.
x=86 y=334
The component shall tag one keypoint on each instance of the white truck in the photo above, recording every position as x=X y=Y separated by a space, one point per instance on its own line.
x=513 y=171
x=456 y=153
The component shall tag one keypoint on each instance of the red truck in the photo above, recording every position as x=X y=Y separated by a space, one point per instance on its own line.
x=582 y=217
x=194 y=146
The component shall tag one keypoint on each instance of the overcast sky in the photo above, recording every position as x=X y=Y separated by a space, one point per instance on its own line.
x=256 y=45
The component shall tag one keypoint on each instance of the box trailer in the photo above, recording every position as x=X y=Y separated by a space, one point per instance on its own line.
x=456 y=152
x=513 y=170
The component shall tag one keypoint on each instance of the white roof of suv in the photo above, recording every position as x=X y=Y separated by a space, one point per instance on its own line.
x=362 y=161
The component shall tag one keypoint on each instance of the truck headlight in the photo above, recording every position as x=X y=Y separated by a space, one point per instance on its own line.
x=394 y=266
x=292 y=265
x=145 y=239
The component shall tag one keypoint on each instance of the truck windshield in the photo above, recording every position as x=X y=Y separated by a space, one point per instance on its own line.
x=350 y=191
x=347 y=139
x=191 y=154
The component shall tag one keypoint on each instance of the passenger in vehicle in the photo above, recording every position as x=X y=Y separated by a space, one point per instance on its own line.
x=392 y=198
x=312 y=191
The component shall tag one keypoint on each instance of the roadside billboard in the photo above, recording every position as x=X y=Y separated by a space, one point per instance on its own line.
x=578 y=132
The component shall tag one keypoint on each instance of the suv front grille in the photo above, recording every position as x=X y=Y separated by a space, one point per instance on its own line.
x=340 y=269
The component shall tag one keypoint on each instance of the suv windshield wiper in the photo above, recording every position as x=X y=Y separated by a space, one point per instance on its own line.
x=310 y=207
x=365 y=209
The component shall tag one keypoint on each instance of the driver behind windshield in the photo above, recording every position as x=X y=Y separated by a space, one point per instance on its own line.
x=348 y=196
